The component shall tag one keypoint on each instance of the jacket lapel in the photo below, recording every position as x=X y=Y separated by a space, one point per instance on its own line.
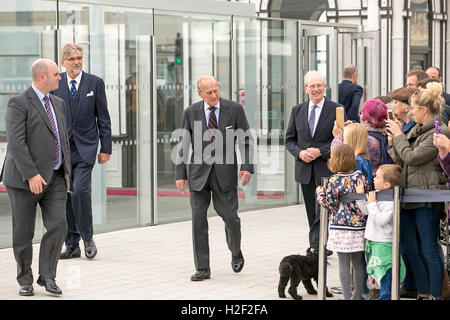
x=304 y=116
x=59 y=119
x=34 y=100
x=82 y=91
x=224 y=115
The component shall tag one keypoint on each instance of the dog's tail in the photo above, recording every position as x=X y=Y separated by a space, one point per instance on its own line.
x=285 y=269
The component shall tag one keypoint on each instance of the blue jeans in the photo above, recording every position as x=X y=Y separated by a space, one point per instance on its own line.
x=420 y=243
x=385 y=286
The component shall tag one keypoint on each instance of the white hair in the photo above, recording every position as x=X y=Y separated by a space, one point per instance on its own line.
x=313 y=74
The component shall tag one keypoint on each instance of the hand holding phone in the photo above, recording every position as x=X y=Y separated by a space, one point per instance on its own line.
x=390 y=114
x=340 y=117
x=436 y=126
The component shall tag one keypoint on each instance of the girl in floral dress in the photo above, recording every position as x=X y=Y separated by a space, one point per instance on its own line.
x=347 y=223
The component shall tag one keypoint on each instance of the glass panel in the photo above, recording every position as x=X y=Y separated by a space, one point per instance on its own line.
x=419 y=29
x=364 y=60
x=318 y=58
x=109 y=38
x=22 y=25
x=187 y=46
x=266 y=54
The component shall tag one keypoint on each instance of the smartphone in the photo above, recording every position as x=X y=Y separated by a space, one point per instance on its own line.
x=390 y=115
x=436 y=126
x=340 y=117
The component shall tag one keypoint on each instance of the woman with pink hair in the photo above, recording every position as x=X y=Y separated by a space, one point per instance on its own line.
x=373 y=116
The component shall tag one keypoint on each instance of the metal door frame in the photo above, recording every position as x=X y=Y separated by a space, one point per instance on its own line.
x=376 y=53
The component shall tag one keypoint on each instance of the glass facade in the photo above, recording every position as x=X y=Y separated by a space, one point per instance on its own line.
x=150 y=61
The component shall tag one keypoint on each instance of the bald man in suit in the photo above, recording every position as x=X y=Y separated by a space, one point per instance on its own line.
x=210 y=125
x=37 y=170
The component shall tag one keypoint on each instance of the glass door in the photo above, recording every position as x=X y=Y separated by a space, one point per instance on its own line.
x=320 y=53
x=187 y=46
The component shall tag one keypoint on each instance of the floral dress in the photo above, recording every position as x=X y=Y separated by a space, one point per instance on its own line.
x=347 y=222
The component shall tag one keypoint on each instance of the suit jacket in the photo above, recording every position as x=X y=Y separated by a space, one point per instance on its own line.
x=298 y=138
x=90 y=121
x=231 y=118
x=31 y=142
x=350 y=96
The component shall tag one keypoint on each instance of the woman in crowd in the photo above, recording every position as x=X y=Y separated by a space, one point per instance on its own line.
x=420 y=221
x=402 y=109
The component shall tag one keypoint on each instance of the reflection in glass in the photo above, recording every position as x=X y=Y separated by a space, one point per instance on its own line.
x=187 y=47
x=22 y=25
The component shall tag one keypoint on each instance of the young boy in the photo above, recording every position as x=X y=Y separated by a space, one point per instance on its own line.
x=379 y=228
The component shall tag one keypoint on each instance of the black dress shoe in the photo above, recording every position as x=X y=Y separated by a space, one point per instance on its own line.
x=49 y=284
x=90 y=250
x=201 y=275
x=26 y=290
x=237 y=262
x=70 y=253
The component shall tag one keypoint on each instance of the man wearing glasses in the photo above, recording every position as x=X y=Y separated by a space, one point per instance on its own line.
x=88 y=122
x=308 y=138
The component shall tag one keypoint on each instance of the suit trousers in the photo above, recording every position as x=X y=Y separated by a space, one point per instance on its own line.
x=53 y=206
x=226 y=206
x=312 y=210
x=79 y=202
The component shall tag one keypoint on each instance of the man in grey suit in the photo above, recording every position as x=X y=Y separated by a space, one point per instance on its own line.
x=212 y=126
x=37 y=170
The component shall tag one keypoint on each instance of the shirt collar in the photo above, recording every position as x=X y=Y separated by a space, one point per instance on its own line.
x=319 y=105
x=206 y=106
x=38 y=92
x=77 y=79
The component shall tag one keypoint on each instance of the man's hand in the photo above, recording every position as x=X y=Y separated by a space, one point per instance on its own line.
x=36 y=183
x=309 y=154
x=180 y=184
x=314 y=152
x=103 y=157
x=246 y=176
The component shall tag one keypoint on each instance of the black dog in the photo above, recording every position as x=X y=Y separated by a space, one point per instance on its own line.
x=299 y=268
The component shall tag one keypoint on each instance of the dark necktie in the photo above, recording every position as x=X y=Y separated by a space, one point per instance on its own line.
x=212 y=121
x=73 y=89
x=312 y=119
x=53 y=125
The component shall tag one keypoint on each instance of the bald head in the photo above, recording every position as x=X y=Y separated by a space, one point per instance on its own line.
x=434 y=72
x=206 y=79
x=45 y=75
x=208 y=89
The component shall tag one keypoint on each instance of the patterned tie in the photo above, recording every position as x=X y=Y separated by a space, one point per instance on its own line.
x=312 y=119
x=73 y=89
x=212 y=121
x=53 y=125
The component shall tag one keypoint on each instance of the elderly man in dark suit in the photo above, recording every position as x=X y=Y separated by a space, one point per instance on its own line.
x=88 y=122
x=37 y=170
x=350 y=93
x=212 y=126
x=308 y=139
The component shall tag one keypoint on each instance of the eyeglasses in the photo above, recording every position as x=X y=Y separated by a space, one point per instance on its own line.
x=72 y=59
x=316 y=86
